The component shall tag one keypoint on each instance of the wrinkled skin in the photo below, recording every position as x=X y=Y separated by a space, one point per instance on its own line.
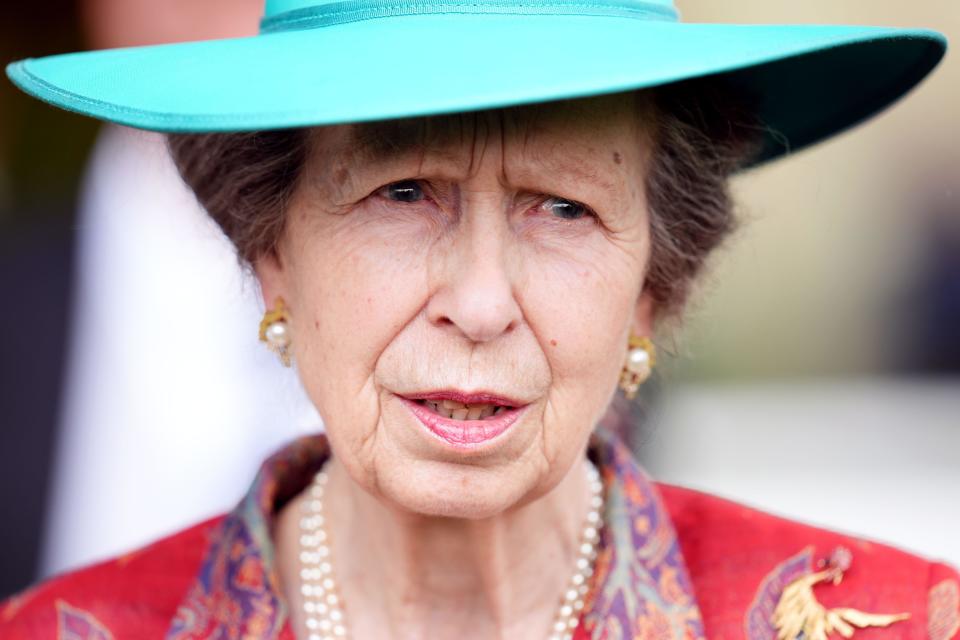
x=503 y=252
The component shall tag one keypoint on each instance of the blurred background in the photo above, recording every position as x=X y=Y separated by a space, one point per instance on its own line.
x=817 y=375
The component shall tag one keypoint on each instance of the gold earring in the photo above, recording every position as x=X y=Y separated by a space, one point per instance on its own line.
x=641 y=358
x=275 y=330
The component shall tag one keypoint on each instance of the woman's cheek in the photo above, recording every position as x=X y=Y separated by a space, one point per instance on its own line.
x=363 y=286
x=576 y=302
x=368 y=293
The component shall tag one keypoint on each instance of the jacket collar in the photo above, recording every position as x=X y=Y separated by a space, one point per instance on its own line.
x=640 y=589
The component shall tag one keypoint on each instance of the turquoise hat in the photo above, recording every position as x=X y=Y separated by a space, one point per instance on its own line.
x=318 y=62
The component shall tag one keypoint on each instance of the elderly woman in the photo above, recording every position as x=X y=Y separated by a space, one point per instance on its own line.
x=467 y=220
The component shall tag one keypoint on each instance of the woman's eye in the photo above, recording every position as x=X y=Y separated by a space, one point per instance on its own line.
x=566 y=209
x=404 y=191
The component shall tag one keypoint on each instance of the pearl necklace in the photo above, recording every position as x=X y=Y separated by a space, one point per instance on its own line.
x=324 y=617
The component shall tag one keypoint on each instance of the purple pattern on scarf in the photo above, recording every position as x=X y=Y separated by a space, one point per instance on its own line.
x=237 y=593
x=645 y=590
x=758 y=621
x=233 y=596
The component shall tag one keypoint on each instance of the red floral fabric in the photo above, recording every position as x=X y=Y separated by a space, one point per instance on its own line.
x=740 y=559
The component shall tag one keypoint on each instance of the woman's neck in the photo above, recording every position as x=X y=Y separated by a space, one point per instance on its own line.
x=403 y=575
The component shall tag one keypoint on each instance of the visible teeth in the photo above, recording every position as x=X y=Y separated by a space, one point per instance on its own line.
x=459 y=411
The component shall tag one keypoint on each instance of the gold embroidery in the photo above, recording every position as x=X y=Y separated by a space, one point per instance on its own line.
x=799 y=614
x=943 y=610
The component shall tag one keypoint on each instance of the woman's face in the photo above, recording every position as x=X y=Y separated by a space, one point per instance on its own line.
x=497 y=259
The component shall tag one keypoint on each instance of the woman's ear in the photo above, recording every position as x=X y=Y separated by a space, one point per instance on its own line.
x=644 y=314
x=271 y=275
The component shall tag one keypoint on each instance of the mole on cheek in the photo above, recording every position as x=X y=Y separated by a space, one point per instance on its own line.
x=617 y=157
x=553 y=343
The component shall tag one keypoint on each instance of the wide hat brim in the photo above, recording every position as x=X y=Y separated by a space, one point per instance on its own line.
x=808 y=81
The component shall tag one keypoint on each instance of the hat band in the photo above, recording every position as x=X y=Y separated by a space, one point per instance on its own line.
x=334 y=13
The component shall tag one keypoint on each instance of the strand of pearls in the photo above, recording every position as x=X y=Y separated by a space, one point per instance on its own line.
x=324 y=617
x=571 y=605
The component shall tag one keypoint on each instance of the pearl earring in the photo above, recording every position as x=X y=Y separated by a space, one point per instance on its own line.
x=641 y=358
x=275 y=331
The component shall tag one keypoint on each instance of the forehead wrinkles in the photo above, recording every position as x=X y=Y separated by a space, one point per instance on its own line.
x=560 y=138
x=519 y=136
x=462 y=139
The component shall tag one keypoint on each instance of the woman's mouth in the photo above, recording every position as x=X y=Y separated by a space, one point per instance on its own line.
x=473 y=422
x=461 y=411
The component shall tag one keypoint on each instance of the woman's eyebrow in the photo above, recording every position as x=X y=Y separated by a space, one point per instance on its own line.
x=588 y=174
x=577 y=172
x=380 y=141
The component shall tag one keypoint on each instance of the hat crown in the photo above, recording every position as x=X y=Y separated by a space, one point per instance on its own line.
x=283 y=15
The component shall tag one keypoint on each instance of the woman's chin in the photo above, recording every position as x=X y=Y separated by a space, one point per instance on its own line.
x=455 y=491
x=460 y=509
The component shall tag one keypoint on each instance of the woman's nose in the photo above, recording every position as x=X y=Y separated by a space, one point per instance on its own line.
x=476 y=280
